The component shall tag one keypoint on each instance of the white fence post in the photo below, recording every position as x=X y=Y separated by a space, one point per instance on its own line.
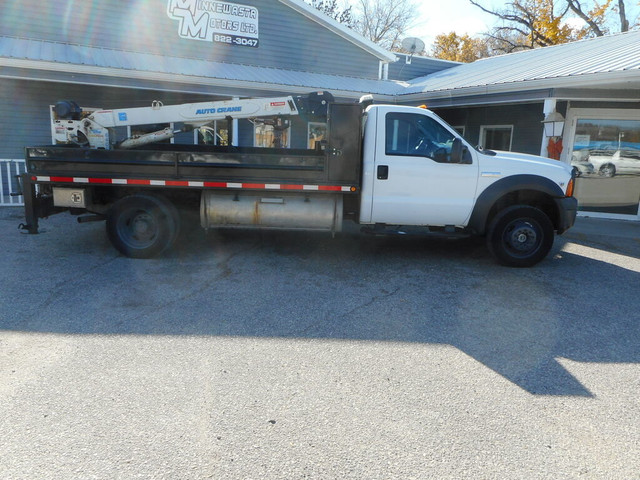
x=7 y=177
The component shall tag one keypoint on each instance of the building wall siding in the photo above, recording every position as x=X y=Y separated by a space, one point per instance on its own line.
x=29 y=101
x=288 y=39
x=525 y=118
x=419 y=67
x=26 y=119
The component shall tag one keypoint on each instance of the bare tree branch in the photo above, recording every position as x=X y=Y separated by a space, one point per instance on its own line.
x=624 y=22
x=576 y=8
x=524 y=16
x=502 y=44
x=484 y=9
x=384 y=22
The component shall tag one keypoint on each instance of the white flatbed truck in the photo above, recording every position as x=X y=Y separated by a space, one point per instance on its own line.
x=388 y=168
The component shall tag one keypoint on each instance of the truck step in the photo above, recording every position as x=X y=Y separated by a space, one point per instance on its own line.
x=448 y=231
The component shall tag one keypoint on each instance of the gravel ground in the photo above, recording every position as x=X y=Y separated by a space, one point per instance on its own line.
x=250 y=355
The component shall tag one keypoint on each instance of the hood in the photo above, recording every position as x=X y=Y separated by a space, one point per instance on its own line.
x=505 y=164
x=524 y=159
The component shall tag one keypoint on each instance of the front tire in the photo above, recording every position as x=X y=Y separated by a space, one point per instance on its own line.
x=142 y=226
x=520 y=236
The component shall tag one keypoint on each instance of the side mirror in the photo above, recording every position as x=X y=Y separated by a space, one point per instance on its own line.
x=456 y=151
x=459 y=153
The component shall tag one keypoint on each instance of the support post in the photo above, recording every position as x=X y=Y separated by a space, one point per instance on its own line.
x=549 y=106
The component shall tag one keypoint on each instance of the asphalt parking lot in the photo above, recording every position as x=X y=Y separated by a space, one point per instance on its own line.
x=294 y=355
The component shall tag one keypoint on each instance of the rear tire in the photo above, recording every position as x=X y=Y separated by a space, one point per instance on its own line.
x=142 y=225
x=520 y=236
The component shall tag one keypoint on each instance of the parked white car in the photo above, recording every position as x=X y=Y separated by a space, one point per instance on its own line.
x=610 y=163
x=580 y=162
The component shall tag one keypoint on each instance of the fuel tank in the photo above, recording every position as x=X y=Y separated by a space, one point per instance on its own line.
x=289 y=211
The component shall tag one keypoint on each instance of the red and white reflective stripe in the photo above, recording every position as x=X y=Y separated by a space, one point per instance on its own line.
x=196 y=184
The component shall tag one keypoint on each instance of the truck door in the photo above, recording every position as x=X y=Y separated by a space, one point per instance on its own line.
x=415 y=181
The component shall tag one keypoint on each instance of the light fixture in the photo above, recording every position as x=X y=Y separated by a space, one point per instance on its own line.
x=553 y=124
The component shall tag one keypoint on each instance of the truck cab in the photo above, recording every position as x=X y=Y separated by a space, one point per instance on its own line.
x=417 y=171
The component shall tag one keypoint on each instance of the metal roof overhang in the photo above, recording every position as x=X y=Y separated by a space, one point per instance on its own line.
x=621 y=86
x=57 y=62
x=237 y=83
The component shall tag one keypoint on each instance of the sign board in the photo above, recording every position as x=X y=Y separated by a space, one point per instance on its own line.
x=215 y=21
x=582 y=140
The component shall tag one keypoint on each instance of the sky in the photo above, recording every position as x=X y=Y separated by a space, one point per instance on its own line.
x=444 y=16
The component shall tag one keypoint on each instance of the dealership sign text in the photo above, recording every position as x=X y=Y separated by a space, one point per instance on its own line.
x=214 y=21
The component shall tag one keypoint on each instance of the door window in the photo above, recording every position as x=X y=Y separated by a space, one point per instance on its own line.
x=410 y=134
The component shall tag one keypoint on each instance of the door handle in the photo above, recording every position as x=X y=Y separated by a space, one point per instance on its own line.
x=383 y=172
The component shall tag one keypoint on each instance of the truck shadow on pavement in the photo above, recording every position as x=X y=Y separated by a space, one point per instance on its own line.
x=524 y=324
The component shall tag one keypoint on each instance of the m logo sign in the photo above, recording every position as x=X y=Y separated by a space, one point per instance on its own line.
x=213 y=21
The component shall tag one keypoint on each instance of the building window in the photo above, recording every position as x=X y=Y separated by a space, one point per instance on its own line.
x=496 y=137
x=271 y=134
x=460 y=129
x=215 y=133
x=317 y=132
x=603 y=147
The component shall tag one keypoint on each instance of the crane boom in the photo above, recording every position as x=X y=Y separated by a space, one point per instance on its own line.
x=95 y=129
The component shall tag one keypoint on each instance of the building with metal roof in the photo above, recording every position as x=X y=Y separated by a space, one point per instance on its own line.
x=594 y=85
x=609 y=63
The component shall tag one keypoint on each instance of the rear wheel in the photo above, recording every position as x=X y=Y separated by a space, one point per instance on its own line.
x=142 y=226
x=520 y=236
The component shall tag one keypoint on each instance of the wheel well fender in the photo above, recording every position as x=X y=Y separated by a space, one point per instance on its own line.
x=530 y=190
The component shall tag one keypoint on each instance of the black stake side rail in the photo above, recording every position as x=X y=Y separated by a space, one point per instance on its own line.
x=196 y=163
x=183 y=166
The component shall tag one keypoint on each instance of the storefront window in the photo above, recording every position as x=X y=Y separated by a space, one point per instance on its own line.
x=271 y=135
x=215 y=133
x=317 y=133
x=605 y=156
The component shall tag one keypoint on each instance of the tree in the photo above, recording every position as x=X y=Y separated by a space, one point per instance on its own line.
x=385 y=22
x=540 y=23
x=451 y=46
x=622 y=13
x=331 y=8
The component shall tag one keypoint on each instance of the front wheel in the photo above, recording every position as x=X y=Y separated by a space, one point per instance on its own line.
x=520 y=236
x=142 y=226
